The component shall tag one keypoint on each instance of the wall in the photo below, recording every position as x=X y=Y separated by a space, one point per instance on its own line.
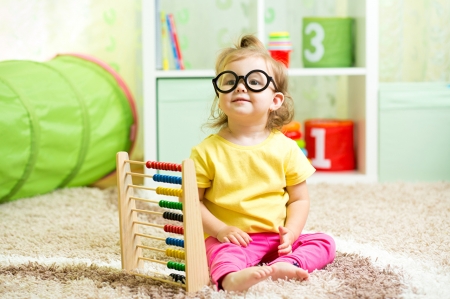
x=415 y=41
x=414 y=38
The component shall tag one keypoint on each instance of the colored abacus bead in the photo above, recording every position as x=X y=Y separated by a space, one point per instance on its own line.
x=175 y=253
x=167 y=179
x=173 y=216
x=176 y=266
x=173 y=229
x=170 y=205
x=163 y=166
x=150 y=164
x=175 y=242
x=169 y=191
x=178 y=278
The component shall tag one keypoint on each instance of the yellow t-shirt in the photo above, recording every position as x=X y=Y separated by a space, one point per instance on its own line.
x=245 y=185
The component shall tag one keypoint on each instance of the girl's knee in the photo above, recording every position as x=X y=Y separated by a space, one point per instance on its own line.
x=328 y=239
x=323 y=241
x=329 y=243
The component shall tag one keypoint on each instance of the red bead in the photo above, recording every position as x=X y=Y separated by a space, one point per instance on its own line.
x=163 y=165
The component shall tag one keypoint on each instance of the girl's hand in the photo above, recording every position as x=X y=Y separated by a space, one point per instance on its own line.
x=286 y=241
x=231 y=234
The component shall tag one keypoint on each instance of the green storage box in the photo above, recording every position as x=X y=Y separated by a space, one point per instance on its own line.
x=414 y=143
x=327 y=42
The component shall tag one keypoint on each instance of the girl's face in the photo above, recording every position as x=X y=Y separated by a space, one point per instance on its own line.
x=244 y=105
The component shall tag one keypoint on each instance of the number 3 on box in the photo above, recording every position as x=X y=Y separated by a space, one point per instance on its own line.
x=316 y=42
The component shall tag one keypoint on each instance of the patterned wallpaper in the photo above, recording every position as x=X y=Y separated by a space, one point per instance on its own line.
x=414 y=40
x=414 y=37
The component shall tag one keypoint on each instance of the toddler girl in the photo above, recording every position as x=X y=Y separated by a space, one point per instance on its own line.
x=252 y=178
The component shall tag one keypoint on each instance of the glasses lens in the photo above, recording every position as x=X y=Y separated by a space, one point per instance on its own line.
x=257 y=81
x=226 y=81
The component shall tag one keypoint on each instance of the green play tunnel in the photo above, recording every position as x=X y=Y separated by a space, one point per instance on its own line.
x=61 y=124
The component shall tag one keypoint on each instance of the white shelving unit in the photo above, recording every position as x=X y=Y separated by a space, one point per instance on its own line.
x=362 y=87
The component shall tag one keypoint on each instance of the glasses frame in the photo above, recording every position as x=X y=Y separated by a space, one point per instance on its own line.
x=244 y=78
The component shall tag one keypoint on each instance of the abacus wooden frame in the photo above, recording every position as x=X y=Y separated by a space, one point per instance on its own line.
x=197 y=274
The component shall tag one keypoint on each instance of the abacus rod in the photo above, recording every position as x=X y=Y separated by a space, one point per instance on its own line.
x=147 y=211
x=135 y=162
x=140 y=174
x=144 y=223
x=149 y=224
x=159 y=279
x=151 y=248
x=149 y=236
x=144 y=199
x=142 y=187
x=152 y=260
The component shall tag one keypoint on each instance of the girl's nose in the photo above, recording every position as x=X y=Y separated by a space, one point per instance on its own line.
x=241 y=86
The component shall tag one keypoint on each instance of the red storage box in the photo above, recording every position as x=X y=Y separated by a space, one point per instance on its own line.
x=329 y=143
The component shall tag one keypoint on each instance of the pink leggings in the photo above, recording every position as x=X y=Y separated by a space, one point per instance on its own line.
x=309 y=252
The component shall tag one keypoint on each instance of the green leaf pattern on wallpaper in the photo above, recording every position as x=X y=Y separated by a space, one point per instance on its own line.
x=109 y=16
x=269 y=15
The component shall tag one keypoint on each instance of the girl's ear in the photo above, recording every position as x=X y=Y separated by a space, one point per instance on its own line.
x=278 y=99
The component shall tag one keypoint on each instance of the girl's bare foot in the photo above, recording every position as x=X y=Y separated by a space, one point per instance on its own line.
x=283 y=270
x=242 y=280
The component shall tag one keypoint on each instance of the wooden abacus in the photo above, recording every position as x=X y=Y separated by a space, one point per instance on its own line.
x=194 y=254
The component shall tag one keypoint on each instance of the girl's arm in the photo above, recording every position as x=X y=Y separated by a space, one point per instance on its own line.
x=297 y=212
x=216 y=228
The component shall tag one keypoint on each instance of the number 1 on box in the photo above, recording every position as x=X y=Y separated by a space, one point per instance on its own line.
x=319 y=155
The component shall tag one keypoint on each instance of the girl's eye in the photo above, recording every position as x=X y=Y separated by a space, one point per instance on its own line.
x=230 y=82
x=254 y=82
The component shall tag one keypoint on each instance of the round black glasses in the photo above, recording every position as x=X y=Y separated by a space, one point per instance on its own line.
x=256 y=81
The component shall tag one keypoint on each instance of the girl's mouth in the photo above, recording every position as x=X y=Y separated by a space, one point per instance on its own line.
x=240 y=100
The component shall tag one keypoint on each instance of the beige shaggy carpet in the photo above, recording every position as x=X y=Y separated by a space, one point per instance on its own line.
x=393 y=241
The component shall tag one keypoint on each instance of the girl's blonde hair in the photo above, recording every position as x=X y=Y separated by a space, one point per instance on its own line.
x=250 y=46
